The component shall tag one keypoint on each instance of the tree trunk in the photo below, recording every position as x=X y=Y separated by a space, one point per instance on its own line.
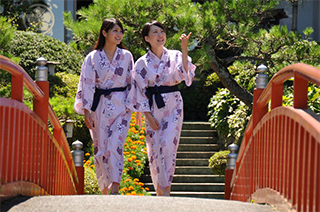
x=228 y=81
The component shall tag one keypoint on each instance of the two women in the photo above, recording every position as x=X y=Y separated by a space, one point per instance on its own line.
x=153 y=91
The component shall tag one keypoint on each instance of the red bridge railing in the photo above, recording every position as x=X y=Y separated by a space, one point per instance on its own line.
x=33 y=160
x=279 y=158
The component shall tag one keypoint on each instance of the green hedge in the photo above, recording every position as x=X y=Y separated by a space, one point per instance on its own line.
x=218 y=162
x=29 y=46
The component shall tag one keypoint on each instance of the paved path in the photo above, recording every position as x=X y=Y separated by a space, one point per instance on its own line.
x=97 y=203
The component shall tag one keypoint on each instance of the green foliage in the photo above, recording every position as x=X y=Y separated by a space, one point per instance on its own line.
x=228 y=115
x=6 y=32
x=90 y=181
x=218 y=162
x=178 y=17
x=30 y=46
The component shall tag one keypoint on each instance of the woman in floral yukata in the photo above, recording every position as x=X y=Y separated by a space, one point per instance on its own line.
x=102 y=91
x=154 y=91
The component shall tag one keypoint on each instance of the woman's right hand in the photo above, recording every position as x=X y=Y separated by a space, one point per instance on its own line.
x=154 y=124
x=88 y=119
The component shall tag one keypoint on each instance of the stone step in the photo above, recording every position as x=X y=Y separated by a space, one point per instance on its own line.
x=180 y=178
x=198 y=147
x=188 y=170
x=198 y=140
x=200 y=187
x=198 y=133
x=192 y=154
x=192 y=162
x=211 y=195
x=196 y=126
x=199 y=170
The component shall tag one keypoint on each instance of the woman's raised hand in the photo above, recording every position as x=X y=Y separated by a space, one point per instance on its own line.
x=184 y=41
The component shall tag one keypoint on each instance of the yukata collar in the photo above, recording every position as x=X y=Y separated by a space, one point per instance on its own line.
x=116 y=56
x=154 y=58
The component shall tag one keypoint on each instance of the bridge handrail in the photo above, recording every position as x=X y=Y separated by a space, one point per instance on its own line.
x=21 y=79
x=307 y=72
x=241 y=183
x=17 y=71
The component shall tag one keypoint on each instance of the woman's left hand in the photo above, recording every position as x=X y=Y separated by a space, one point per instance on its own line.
x=184 y=41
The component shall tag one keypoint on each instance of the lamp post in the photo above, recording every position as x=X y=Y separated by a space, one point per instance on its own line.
x=77 y=155
x=261 y=77
x=231 y=164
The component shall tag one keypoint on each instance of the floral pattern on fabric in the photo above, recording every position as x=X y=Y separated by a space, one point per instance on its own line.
x=111 y=118
x=161 y=144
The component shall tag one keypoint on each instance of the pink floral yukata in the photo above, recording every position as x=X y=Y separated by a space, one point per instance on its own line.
x=111 y=118
x=161 y=144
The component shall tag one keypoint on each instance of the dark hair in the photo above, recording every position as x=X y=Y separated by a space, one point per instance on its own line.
x=108 y=24
x=146 y=29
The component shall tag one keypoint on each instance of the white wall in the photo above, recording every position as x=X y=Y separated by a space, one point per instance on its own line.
x=308 y=16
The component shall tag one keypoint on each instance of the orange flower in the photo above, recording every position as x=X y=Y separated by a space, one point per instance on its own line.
x=87 y=154
x=146 y=188
x=92 y=166
x=136 y=180
x=133 y=147
x=134 y=157
x=133 y=193
x=132 y=152
x=139 y=164
x=130 y=168
x=141 y=184
x=137 y=161
x=130 y=188
x=130 y=159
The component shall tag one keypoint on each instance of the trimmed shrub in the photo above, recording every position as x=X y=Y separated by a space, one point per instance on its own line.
x=218 y=162
x=29 y=46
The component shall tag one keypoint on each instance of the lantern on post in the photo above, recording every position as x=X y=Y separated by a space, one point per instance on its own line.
x=41 y=70
x=261 y=77
x=77 y=155
x=51 y=66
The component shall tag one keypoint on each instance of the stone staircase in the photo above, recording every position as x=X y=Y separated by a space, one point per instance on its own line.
x=192 y=176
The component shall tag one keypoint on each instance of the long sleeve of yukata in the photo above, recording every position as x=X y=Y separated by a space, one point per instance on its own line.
x=161 y=144
x=149 y=71
x=111 y=117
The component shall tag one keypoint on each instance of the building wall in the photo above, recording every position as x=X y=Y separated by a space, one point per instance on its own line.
x=308 y=16
x=52 y=17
